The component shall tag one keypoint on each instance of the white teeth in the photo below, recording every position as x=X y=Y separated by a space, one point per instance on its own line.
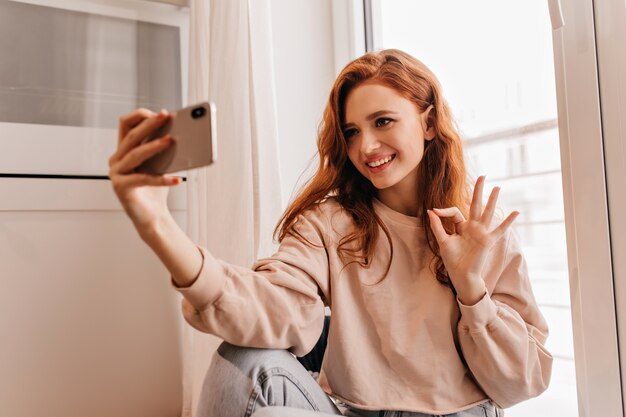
x=380 y=162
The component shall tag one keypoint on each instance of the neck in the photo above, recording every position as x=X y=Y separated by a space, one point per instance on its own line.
x=398 y=201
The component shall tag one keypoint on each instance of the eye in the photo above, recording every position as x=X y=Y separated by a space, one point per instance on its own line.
x=348 y=133
x=383 y=121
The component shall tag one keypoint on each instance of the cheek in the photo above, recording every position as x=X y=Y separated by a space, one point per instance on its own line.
x=419 y=147
x=416 y=145
x=418 y=153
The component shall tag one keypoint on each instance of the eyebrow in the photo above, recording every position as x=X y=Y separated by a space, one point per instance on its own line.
x=372 y=116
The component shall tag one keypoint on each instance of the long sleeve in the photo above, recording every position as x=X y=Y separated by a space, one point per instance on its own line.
x=278 y=303
x=502 y=336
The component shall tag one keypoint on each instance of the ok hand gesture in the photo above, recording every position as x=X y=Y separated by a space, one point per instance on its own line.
x=464 y=252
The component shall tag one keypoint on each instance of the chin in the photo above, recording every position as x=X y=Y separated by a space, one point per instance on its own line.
x=381 y=185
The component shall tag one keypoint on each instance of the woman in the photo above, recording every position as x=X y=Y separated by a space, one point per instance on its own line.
x=432 y=309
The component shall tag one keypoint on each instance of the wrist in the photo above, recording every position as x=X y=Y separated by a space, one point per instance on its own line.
x=154 y=231
x=180 y=255
x=471 y=293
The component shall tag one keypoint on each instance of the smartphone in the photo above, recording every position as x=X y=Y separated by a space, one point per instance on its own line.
x=195 y=144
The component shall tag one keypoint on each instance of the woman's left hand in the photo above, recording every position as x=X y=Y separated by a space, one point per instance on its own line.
x=464 y=252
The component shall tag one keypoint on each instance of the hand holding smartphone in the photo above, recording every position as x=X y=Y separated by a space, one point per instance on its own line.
x=195 y=145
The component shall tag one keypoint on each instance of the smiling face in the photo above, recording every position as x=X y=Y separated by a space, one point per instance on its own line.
x=385 y=134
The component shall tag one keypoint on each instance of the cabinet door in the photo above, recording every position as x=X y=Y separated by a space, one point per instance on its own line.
x=90 y=325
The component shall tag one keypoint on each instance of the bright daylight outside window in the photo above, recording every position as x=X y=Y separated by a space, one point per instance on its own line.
x=494 y=60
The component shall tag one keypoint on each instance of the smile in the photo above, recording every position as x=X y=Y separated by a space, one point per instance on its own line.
x=381 y=164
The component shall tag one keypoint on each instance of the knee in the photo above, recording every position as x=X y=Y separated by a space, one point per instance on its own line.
x=238 y=368
x=229 y=351
x=241 y=378
x=249 y=361
x=233 y=376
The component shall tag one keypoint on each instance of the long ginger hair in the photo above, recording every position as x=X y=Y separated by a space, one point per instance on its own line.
x=442 y=176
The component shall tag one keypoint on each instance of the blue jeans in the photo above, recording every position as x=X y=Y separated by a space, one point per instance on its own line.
x=245 y=382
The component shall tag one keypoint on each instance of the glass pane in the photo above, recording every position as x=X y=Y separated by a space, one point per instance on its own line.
x=80 y=69
x=494 y=60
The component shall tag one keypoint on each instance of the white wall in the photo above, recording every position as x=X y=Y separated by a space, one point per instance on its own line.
x=304 y=73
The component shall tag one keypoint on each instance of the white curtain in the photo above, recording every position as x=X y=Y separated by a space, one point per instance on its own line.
x=233 y=205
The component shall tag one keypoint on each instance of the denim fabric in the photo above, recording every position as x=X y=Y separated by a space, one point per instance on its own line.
x=241 y=381
x=482 y=410
x=244 y=382
x=488 y=409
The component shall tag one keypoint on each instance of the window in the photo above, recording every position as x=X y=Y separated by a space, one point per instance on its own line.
x=79 y=67
x=495 y=63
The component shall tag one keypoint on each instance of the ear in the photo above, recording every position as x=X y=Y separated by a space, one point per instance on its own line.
x=427 y=124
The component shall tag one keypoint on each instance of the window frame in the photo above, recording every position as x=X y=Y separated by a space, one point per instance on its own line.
x=610 y=21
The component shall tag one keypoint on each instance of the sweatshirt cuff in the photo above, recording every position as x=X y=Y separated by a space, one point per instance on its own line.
x=480 y=315
x=207 y=285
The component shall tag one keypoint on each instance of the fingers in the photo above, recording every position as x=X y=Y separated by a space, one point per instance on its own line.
x=437 y=227
x=506 y=223
x=453 y=212
x=139 y=133
x=138 y=180
x=130 y=120
x=141 y=153
x=491 y=207
x=476 y=207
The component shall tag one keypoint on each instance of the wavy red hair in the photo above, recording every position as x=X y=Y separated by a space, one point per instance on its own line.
x=442 y=175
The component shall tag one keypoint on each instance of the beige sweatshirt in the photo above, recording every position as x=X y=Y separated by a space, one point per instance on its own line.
x=403 y=343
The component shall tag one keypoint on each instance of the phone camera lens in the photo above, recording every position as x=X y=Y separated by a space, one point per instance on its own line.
x=198 y=112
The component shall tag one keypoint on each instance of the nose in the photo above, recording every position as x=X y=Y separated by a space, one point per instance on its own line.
x=369 y=143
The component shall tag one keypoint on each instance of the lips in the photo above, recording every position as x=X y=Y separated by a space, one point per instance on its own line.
x=389 y=159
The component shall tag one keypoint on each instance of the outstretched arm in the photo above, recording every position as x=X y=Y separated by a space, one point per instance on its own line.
x=144 y=196
x=278 y=303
